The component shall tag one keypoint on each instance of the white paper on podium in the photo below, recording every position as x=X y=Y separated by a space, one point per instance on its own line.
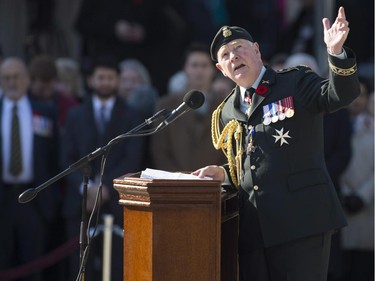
x=160 y=174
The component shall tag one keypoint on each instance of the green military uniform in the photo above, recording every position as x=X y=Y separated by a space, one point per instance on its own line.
x=288 y=204
x=284 y=174
x=293 y=192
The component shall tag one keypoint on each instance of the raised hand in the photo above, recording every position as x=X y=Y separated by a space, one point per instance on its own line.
x=335 y=35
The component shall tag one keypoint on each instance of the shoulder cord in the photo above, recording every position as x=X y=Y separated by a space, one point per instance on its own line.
x=223 y=141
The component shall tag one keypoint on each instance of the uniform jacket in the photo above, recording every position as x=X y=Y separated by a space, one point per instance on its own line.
x=337 y=150
x=81 y=138
x=45 y=155
x=294 y=194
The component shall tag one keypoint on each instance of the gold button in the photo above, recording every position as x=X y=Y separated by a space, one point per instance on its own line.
x=256 y=187
x=252 y=167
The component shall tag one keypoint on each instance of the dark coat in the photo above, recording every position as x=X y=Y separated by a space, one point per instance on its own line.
x=45 y=157
x=294 y=197
x=82 y=137
x=337 y=142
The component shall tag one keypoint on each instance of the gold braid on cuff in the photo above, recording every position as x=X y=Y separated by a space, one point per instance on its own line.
x=342 y=71
x=224 y=141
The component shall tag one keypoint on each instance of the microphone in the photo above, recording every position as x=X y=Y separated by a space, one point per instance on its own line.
x=162 y=113
x=192 y=100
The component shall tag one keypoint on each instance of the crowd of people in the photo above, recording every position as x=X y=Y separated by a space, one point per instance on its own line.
x=107 y=67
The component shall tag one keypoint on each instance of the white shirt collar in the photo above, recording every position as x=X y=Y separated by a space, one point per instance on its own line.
x=98 y=103
x=22 y=102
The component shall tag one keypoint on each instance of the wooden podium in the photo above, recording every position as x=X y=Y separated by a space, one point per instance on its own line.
x=178 y=230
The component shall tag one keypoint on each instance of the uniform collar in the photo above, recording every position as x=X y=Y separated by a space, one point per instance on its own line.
x=267 y=77
x=255 y=84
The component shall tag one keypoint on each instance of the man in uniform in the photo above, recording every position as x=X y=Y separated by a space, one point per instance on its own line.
x=288 y=204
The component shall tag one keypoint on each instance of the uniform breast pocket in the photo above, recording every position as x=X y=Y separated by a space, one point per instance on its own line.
x=281 y=134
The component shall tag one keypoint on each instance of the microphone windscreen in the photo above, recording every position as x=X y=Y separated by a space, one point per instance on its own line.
x=194 y=99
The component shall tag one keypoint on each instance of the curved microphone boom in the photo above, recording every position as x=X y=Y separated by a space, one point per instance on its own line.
x=192 y=100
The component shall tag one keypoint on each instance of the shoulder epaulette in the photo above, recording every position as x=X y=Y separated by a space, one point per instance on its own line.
x=285 y=70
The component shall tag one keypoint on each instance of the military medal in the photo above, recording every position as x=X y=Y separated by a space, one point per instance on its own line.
x=266 y=115
x=289 y=112
x=274 y=117
x=281 y=136
x=280 y=110
x=250 y=146
x=248 y=112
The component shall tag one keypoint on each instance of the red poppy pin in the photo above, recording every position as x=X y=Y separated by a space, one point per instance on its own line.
x=261 y=90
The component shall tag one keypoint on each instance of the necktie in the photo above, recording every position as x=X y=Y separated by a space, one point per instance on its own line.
x=102 y=122
x=249 y=95
x=15 y=152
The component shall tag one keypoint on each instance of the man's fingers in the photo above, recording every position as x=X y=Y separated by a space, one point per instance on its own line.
x=326 y=24
x=213 y=171
x=341 y=13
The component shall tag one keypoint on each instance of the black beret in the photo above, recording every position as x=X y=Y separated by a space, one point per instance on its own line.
x=225 y=35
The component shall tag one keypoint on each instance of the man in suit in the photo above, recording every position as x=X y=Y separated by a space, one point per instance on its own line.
x=28 y=153
x=89 y=126
x=288 y=204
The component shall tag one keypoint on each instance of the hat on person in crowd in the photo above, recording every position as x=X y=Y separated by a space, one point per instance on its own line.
x=225 y=35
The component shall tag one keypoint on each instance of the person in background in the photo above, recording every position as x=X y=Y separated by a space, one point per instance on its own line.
x=299 y=35
x=42 y=88
x=177 y=83
x=273 y=124
x=43 y=79
x=277 y=61
x=69 y=78
x=221 y=86
x=136 y=87
x=90 y=125
x=302 y=59
x=186 y=144
x=127 y=29
x=357 y=184
x=29 y=145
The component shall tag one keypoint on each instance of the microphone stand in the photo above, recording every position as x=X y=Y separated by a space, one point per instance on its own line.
x=82 y=164
x=31 y=193
x=83 y=241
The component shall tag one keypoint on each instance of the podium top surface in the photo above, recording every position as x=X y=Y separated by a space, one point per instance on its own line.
x=146 y=192
x=134 y=179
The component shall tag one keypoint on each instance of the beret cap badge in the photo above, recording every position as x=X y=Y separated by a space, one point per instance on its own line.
x=225 y=35
x=226 y=32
